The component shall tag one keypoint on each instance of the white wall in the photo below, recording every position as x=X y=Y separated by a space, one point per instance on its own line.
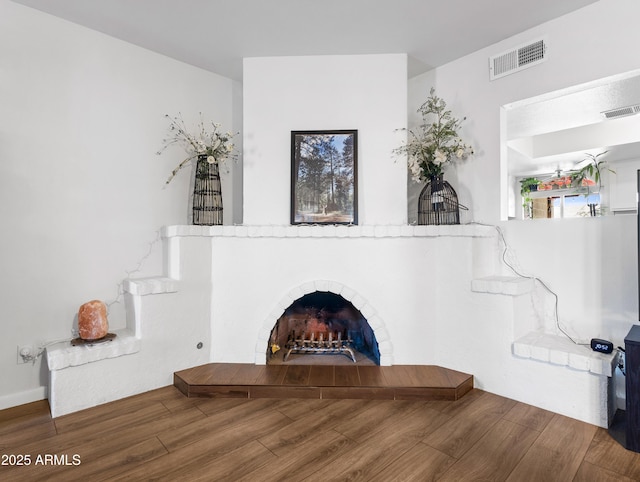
x=363 y=92
x=82 y=192
x=589 y=44
x=590 y=263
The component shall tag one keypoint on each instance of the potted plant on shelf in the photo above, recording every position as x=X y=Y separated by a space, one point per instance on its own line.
x=528 y=185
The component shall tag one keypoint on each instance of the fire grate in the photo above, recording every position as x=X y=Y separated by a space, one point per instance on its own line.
x=308 y=343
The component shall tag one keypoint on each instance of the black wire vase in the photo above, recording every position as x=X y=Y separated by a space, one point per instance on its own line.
x=438 y=203
x=207 y=193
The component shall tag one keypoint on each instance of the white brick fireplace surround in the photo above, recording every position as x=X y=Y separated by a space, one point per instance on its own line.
x=428 y=292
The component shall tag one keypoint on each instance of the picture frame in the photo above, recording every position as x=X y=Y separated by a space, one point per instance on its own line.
x=324 y=177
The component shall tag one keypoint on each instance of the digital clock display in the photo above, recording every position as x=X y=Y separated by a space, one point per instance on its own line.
x=603 y=346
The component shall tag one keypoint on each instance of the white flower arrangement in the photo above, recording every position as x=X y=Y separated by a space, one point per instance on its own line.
x=431 y=145
x=216 y=145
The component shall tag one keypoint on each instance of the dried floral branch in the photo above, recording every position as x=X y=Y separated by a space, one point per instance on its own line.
x=216 y=145
x=431 y=145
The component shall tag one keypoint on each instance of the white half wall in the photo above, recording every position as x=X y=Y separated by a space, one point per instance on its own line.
x=284 y=94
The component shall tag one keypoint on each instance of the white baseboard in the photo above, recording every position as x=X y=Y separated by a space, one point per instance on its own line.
x=15 y=399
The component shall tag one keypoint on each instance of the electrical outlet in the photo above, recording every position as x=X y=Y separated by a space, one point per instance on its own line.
x=25 y=354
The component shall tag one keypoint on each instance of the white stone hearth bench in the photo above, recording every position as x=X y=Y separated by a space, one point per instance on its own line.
x=86 y=375
x=559 y=350
x=575 y=372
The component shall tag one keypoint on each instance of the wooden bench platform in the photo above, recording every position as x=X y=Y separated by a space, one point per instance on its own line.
x=398 y=382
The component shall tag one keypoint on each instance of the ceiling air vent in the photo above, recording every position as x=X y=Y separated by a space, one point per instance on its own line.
x=517 y=59
x=622 y=111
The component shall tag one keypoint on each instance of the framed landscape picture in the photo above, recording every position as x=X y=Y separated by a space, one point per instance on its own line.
x=324 y=187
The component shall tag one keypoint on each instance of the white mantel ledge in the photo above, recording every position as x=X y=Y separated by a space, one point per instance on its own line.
x=330 y=231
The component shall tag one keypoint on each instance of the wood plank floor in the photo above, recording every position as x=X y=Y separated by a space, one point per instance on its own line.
x=163 y=435
x=398 y=382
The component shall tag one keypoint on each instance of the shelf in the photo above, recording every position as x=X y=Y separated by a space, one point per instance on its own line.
x=559 y=350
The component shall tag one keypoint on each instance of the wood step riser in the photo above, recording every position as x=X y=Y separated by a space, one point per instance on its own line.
x=401 y=382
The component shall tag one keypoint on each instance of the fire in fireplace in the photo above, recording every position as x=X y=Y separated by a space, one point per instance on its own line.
x=322 y=327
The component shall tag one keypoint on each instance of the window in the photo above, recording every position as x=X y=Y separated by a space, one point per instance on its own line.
x=557 y=205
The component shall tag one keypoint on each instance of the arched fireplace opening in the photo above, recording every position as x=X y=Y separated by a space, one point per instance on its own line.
x=322 y=328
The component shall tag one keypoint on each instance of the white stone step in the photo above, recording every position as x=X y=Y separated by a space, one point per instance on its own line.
x=503 y=285
x=560 y=350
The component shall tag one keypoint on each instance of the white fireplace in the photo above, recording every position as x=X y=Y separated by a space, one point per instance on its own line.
x=394 y=275
x=428 y=293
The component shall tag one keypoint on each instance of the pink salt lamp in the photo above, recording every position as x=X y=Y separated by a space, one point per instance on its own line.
x=92 y=320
